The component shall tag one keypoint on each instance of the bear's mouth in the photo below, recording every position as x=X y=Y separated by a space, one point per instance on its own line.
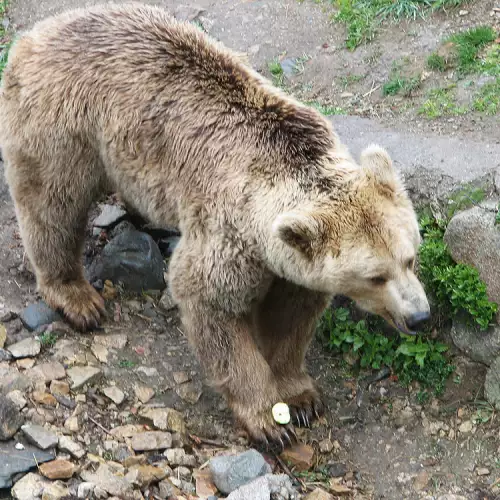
x=401 y=328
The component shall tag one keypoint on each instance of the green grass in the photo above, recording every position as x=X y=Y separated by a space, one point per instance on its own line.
x=441 y=102
x=277 y=74
x=362 y=18
x=126 y=363
x=487 y=99
x=468 y=45
x=48 y=339
x=436 y=62
x=403 y=85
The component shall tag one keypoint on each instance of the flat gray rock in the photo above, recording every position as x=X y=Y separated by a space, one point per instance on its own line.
x=27 y=348
x=14 y=461
x=39 y=436
x=81 y=375
x=231 y=472
x=36 y=315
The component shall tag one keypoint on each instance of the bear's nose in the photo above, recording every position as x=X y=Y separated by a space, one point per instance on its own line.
x=415 y=320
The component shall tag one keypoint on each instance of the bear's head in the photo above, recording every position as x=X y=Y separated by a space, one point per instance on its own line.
x=360 y=239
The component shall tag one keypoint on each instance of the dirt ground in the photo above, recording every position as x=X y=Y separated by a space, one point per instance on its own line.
x=393 y=447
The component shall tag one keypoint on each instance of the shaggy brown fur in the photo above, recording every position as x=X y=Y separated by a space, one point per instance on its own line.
x=275 y=215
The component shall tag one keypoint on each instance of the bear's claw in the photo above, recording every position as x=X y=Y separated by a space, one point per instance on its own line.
x=305 y=408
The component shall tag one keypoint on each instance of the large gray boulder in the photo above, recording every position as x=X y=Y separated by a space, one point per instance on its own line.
x=473 y=238
x=481 y=346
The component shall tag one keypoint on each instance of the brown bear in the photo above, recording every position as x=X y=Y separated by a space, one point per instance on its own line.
x=276 y=217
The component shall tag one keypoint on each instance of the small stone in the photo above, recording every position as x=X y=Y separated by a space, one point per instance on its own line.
x=165 y=419
x=112 y=341
x=463 y=12
x=5 y=355
x=143 y=393
x=421 y=481
x=153 y=440
x=71 y=424
x=27 y=348
x=44 y=398
x=39 y=436
x=37 y=315
x=57 y=469
x=181 y=377
x=204 y=484
x=56 y=491
x=115 y=394
x=109 y=216
x=60 y=388
x=29 y=487
x=233 y=471
x=300 y=456
x=127 y=431
x=85 y=490
x=81 y=375
x=18 y=399
x=319 y=494
x=189 y=392
x=48 y=372
x=100 y=352
x=325 y=445
x=336 y=469
x=111 y=483
x=168 y=490
x=264 y=487
x=483 y=471
x=185 y=486
x=25 y=364
x=167 y=302
x=144 y=475
x=177 y=456
x=10 y=418
x=109 y=292
x=339 y=489
x=466 y=427
x=67 y=444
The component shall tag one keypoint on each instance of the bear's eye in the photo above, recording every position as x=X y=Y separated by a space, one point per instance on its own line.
x=379 y=280
x=410 y=264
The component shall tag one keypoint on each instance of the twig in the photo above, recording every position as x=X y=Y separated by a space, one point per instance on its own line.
x=36 y=462
x=210 y=442
x=100 y=426
x=289 y=473
x=371 y=91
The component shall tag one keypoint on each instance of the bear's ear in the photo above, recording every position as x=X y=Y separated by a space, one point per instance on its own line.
x=378 y=165
x=297 y=229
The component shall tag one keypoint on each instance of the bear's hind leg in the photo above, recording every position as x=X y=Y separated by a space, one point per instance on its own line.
x=286 y=322
x=51 y=206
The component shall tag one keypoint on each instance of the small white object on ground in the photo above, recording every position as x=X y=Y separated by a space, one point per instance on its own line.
x=281 y=413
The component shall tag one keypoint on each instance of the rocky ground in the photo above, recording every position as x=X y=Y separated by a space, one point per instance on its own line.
x=124 y=413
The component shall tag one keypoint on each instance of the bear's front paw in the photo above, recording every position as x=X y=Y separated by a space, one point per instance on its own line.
x=264 y=430
x=305 y=407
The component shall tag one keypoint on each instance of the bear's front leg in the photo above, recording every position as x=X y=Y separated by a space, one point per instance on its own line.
x=226 y=349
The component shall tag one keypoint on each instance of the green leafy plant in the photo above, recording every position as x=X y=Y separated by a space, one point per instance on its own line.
x=411 y=358
x=455 y=287
x=126 y=363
